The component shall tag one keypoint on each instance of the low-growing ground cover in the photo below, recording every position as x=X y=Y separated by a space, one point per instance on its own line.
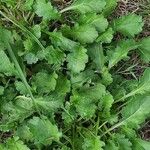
x=73 y=75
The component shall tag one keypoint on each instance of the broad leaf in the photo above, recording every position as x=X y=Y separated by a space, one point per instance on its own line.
x=85 y=6
x=95 y=51
x=44 y=132
x=121 y=51
x=53 y=56
x=86 y=97
x=110 y=7
x=77 y=60
x=135 y=112
x=45 y=9
x=82 y=32
x=6 y=38
x=129 y=25
x=45 y=82
x=106 y=37
x=92 y=143
x=145 y=49
x=14 y=144
x=97 y=21
x=6 y=66
x=62 y=42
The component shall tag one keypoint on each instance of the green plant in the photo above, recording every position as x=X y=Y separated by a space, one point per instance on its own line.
x=59 y=84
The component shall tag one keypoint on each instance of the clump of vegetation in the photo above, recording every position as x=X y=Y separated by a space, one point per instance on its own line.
x=59 y=82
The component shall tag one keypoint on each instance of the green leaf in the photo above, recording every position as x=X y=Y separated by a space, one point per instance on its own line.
x=6 y=66
x=97 y=21
x=69 y=114
x=45 y=9
x=28 y=4
x=18 y=111
x=95 y=51
x=1 y=90
x=21 y=88
x=82 y=32
x=122 y=142
x=110 y=7
x=77 y=60
x=145 y=49
x=7 y=38
x=37 y=30
x=63 y=85
x=49 y=104
x=77 y=80
x=15 y=144
x=31 y=58
x=141 y=144
x=53 y=56
x=135 y=112
x=106 y=76
x=129 y=25
x=121 y=51
x=111 y=145
x=107 y=102
x=106 y=37
x=92 y=143
x=43 y=131
x=62 y=42
x=23 y=132
x=142 y=87
x=45 y=82
x=88 y=96
x=85 y=6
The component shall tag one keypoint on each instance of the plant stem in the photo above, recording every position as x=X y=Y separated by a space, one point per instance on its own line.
x=22 y=76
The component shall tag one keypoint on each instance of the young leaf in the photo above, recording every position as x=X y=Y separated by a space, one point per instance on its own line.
x=97 y=21
x=21 y=88
x=92 y=143
x=63 y=85
x=17 y=111
x=45 y=9
x=28 y=4
x=145 y=49
x=23 y=132
x=111 y=145
x=77 y=60
x=122 y=142
x=135 y=112
x=15 y=144
x=43 y=131
x=62 y=42
x=49 y=104
x=88 y=97
x=45 y=82
x=110 y=6
x=6 y=66
x=106 y=76
x=142 y=87
x=121 y=51
x=141 y=144
x=7 y=38
x=53 y=56
x=106 y=37
x=129 y=25
x=82 y=32
x=37 y=30
x=107 y=101
x=31 y=58
x=95 y=51
x=85 y=6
